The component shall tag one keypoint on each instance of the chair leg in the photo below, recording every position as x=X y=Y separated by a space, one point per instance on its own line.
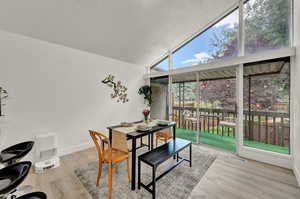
x=128 y=169
x=117 y=168
x=99 y=173
x=110 y=174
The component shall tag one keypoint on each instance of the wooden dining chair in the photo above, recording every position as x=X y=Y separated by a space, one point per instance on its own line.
x=165 y=135
x=109 y=155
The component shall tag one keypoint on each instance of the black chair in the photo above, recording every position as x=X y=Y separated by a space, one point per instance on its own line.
x=12 y=176
x=34 y=195
x=14 y=153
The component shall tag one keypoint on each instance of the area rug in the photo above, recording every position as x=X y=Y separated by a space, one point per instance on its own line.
x=177 y=184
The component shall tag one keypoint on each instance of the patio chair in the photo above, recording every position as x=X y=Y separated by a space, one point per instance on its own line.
x=110 y=155
x=228 y=122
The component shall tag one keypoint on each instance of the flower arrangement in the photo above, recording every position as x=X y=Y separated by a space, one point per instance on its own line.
x=146 y=113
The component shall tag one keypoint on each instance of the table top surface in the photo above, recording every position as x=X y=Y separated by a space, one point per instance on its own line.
x=136 y=134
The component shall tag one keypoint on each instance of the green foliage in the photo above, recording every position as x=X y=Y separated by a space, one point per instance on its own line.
x=266 y=27
x=146 y=91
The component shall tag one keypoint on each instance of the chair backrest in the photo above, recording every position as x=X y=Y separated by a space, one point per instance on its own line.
x=100 y=140
x=230 y=119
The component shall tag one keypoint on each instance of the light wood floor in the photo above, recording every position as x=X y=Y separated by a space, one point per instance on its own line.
x=228 y=177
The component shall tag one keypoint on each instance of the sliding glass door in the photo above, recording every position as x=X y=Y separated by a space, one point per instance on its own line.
x=185 y=103
x=266 y=105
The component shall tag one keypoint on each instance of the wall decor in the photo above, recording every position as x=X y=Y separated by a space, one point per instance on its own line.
x=3 y=97
x=119 y=90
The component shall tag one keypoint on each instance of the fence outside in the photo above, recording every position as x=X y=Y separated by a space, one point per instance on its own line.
x=265 y=127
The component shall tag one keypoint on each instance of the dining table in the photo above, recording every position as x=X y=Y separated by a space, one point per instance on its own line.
x=133 y=134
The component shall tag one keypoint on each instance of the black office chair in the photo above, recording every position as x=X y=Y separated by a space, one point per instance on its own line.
x=12 y=176
x=34 y=195
x=16 y=152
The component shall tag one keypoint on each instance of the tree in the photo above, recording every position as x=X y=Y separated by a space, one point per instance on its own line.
x=266 y=27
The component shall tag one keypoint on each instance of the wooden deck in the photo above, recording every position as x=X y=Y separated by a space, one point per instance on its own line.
x=259 y=126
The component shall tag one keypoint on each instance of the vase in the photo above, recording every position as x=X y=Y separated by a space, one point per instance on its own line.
x=146 y=119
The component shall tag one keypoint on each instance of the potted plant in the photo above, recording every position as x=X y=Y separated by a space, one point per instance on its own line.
x=147 y=93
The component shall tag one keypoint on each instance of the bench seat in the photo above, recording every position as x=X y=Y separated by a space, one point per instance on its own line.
x=162 y=153
x=159 y=155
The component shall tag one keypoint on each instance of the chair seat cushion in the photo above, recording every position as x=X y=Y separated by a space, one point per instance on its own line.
x=16 y=152
x=162 y=135
x=34 y=195
x=117 y=155
x=12 y=176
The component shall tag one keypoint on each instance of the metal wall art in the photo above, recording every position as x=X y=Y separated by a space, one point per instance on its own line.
x=3 y=96
x=119 y=90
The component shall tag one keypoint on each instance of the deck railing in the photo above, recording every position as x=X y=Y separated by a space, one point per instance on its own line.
x=260 y=126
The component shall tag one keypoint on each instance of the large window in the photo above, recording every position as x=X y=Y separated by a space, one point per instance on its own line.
x=217 y=42
x=266 y=25
x=161 y=66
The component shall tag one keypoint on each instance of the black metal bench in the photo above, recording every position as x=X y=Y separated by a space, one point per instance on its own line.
x=159 y=155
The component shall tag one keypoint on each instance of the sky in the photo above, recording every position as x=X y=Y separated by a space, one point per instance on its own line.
x=199 y=49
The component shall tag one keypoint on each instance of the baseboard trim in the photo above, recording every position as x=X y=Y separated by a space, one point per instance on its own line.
x=297 y=174
x=74 y=149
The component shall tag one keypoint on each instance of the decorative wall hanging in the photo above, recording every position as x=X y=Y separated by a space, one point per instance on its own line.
x=119 y=90
x=3 y=96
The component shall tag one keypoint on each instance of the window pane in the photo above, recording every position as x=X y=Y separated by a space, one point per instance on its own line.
x=266 y=106
x=184 y=100
x=161 y=66
x=217 y=42
x=266 y=25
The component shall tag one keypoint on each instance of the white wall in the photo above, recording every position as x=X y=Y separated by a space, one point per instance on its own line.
x=57 y=89
x=297 y=90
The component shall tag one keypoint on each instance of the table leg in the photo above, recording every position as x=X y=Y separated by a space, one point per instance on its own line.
x=190 y=155
x=149 y=142
x=139 y=174
x=174 y=137
x=133 y=163
x=174 y=132
x=110 y=136
x=151 y=145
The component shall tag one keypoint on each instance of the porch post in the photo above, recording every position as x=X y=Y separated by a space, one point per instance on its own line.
x=197 y=108
x=170 y=101
x=239 y=80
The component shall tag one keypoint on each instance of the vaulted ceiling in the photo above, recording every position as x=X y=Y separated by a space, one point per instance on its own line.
x=135 y=31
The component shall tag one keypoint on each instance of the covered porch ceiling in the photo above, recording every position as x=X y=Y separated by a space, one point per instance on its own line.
x=251 y=69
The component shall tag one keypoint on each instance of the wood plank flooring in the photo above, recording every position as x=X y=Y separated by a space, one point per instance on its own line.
x=228 y=177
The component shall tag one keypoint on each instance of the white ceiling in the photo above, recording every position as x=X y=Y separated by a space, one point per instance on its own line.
x=136 y=31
